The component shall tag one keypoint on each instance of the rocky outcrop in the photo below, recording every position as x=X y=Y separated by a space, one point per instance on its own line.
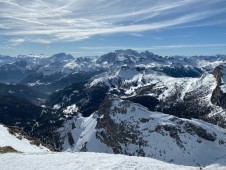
x=70 y=139
x=218 y=97
x=7 y=149
x=20 y=134
x=116 y=134
x=178 y=70
x=131 y=129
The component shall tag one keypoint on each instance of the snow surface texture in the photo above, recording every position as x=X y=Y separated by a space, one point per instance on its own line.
x=21 y=145
x=165 y=137
x=91 y=161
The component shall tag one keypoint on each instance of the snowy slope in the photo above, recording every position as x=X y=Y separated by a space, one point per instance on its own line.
x=18 y=142
x=219 y=164
x=128 y=128
x=94 y=161
x=83 y=161
x=83 y=133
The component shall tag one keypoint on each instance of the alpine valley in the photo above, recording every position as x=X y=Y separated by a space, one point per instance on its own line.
x=172 y=109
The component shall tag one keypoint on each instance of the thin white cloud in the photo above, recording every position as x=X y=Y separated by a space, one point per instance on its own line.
x=158 y=38
x=137 y=35
x=39 y=40
x=17 y=41
x=73 y=20
x=174 y=36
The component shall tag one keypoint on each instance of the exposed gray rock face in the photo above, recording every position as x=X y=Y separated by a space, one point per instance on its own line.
x=218 y=96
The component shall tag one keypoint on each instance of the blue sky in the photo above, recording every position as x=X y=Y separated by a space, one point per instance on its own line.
x=95 y=27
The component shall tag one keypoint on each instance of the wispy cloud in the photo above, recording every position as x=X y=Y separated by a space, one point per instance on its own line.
x=19 y=41
x=74 y=20
x=16 y=41
x=173 y=36
x=137 y=35
x=39 y=40
x=187 y=46
x=153 y=47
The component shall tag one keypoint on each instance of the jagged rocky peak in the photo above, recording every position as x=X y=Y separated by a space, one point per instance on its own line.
x=62 y=57
x=127 y=52
x=125 y=56
x=149 y=55
x=219 y=93
x=219 y=73
x=83 y=59
x=130 y=57
x=107 y=58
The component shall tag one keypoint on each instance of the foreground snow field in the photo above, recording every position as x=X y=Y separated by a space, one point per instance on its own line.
x=18 y=142
x=89 y=161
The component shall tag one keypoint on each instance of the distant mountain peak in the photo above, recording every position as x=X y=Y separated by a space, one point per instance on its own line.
x=128 y=52
x=62 y=57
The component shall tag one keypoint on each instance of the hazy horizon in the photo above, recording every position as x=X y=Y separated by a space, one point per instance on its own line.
x=99 y=55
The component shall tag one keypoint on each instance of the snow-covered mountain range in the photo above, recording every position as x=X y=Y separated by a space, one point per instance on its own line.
x=124 y=102
x=55 y=70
